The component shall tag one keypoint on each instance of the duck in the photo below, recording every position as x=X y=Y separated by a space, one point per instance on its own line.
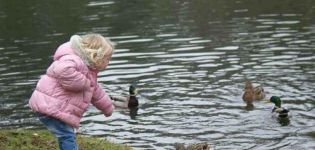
x=277 y=109
x=252 y=93
x=130 y=101
x=196 y=146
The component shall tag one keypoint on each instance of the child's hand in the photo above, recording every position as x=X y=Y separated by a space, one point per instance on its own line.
x=111 y=112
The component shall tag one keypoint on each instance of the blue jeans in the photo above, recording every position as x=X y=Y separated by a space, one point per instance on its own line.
x=64 y=133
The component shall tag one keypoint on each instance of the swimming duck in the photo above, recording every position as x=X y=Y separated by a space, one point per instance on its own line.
x=130 y=101
x=197 y=146
x=282 y=112
x=252 y=93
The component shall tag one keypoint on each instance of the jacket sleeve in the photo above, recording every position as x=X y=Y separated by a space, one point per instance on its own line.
x=102 y=101
x=65 y=71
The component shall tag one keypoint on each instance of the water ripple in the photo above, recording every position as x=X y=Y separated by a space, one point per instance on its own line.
x=190 y=67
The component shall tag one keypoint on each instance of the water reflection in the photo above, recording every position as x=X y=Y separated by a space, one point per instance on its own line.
x=283 y=121
x=133 y=112
x=190 y=60
x=249 y=106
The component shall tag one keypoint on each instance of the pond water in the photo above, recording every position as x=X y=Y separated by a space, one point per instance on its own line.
x=190 y=61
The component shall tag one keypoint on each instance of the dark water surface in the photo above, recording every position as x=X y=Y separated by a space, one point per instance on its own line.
x=189 y=58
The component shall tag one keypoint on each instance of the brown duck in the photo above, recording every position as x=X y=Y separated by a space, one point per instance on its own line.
x=252 y=93
x=197 y=146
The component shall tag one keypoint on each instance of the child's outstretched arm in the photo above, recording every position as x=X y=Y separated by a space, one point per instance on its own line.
x=65 y=71
x=102 y=101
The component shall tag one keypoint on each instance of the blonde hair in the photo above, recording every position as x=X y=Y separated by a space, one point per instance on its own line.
x=92 y=48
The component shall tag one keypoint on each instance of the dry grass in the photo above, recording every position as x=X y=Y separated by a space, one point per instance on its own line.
x=42 y=139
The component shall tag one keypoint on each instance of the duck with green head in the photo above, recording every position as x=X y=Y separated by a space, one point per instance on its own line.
x=282 y=112
x=130 y=101
x=133 y=100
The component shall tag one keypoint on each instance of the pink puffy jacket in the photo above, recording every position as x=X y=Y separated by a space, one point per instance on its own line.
x=67 y=89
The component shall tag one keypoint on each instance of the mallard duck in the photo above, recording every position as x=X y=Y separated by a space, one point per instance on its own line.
x=130 y=101
x=197 y=146
x=282 y=112
x=252 y=93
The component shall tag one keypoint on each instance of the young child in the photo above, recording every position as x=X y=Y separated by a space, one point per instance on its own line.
x=63 y=94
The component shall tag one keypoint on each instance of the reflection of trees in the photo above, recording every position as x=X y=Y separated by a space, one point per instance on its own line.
x=204 y=11
x=140 y=16
x=30 y=19
x=278 y=7
x=129 y=16
x=40 y=18
x=203 y=17
x=28 y=27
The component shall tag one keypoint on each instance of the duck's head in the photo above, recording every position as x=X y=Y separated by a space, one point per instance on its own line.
x=248 y=85
x=276 y=100
x=133 y=91
x=133 y=100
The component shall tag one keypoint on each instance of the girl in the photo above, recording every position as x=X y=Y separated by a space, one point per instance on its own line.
x=63 y=94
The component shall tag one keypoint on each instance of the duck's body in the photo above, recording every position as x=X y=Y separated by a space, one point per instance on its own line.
x=277 y=109
x=133 y=101
x=197 y=146
x=130 y=101
x=252 y=93
x=259 y=93
x=281 y=112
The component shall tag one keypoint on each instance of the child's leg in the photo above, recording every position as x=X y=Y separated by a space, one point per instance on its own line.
x=64 y=133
